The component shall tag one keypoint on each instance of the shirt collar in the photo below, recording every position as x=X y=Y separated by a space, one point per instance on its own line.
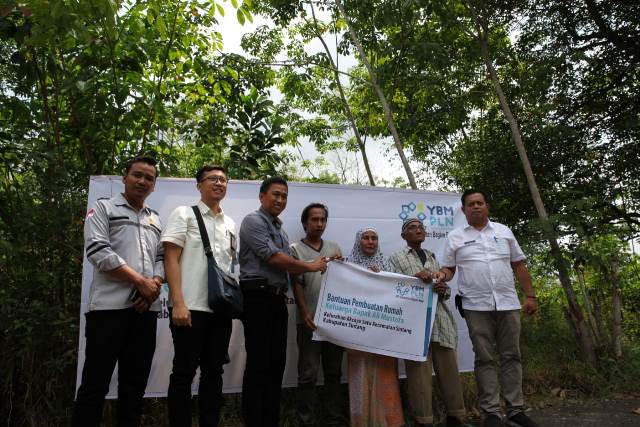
x=207 y=210
x=489 y=225
x=120 y=200
x=408 y=249
x=272 y=219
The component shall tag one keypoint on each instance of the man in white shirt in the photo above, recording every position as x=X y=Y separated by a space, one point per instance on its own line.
x=486 y=256
x=200 y=336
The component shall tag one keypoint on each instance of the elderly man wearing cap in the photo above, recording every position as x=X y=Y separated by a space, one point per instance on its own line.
x=413 y=260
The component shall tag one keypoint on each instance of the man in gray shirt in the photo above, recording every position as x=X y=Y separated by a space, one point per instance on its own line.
x=306 y=289
x=122 y=241
x=265 y=265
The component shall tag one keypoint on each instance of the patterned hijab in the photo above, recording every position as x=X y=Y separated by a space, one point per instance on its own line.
x=357 y=257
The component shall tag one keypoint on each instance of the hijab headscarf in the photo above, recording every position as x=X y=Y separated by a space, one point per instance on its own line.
x=357 y=257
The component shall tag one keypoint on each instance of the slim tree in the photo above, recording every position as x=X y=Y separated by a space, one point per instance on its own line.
x=345 y=104
x=574 y=310
x=378 y=90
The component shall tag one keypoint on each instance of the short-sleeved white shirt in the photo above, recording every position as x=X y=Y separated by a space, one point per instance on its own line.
x=182 y=230
x=482 y=259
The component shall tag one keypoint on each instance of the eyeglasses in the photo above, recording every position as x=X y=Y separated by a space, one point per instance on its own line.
x=214 y=179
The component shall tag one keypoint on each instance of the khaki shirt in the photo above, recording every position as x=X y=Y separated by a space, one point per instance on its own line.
x=311 y=281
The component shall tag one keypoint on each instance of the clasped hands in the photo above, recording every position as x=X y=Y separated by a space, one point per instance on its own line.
x=148 y=290
x=435 y=277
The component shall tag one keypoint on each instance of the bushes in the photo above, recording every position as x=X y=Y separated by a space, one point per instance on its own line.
x=40 y=274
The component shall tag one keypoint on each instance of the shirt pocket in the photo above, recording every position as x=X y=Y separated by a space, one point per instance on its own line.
x=223 y=240
x=502 y=248
x=121 y=228
x=469 y=251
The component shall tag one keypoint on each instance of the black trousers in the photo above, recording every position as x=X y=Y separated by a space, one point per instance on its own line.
x=125 y=337
x=204 y=344
x=265 y=338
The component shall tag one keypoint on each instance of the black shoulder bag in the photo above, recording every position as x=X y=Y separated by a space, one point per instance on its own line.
x=225 y=296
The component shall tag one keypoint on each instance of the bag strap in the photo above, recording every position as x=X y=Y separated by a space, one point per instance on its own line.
x=203 y=235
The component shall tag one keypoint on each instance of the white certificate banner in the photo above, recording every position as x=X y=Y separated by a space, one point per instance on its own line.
x=383 y=313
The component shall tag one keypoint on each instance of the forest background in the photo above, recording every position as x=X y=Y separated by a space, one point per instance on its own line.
x=535 y=101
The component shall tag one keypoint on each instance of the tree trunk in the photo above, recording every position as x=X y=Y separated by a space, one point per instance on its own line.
x=575 y=312
x=587 y=306
x=597 y=313
x=616 y=307
x=383 y=100
x=347 y=109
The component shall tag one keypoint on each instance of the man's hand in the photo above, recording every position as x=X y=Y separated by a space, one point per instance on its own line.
x=308 y=321
x=438 y=276
x=530 y=305
x=425 y=276
x=319 y=264
x=140 y=304
x=181 y=316
x=148 y=288
x=159 y=281
x=441 y=288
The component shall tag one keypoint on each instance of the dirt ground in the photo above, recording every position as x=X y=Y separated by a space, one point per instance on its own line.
x=602 y=413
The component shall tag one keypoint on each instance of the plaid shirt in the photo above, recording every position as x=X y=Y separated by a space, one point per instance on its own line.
x=406 y=261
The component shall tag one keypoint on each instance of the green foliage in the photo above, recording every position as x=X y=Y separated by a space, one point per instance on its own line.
x=552 y=360
x=259 y=132
x=86 y=85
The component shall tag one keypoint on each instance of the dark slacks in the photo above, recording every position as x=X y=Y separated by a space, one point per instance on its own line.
x=204 y=344
x=310 y=355
x=122 y=336
x=495 y=336
x=265 y=335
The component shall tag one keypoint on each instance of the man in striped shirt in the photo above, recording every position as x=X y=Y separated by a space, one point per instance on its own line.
x=122 y=242
x=413 y=260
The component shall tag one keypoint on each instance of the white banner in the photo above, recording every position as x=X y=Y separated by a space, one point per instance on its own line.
x=382 y=313
x=350 y=208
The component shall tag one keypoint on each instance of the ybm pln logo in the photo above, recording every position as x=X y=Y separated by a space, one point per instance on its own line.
x=438 y=219
x=411 y=292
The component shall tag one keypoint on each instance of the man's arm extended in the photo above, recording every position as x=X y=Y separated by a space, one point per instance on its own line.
x=530 y=305
x=294 y=266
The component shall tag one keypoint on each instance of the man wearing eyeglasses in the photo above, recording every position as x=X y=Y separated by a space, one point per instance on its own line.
x=200 y=336
x=413 y=260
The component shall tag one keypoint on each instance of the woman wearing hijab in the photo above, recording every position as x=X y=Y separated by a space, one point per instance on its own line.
x=374 y=393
